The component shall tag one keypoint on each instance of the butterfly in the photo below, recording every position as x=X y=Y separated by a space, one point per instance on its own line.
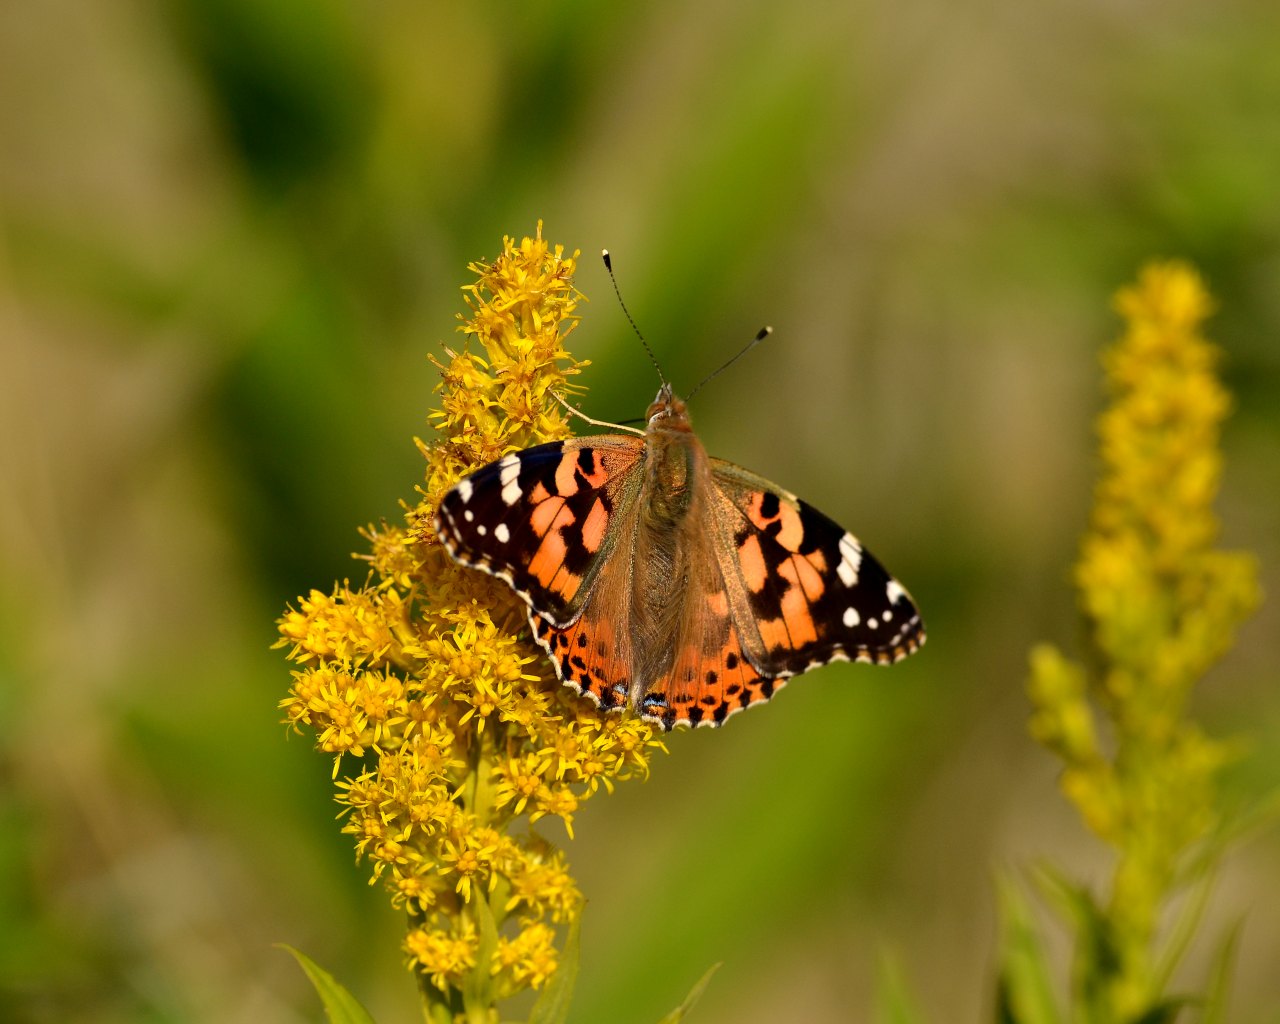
x=673 y=583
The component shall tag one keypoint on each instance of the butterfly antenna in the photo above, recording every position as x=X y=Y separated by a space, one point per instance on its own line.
x=595 y=423
x=608 y=265
x=763 y=333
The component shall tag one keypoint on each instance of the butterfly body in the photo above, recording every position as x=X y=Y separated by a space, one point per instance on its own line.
x=668 y=581
x=669 y=549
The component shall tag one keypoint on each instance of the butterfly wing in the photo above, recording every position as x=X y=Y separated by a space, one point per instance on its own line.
x=592 y=654
x=802 y=590
x=544 y=519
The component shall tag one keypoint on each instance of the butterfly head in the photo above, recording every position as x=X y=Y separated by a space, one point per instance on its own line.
x=667 y=412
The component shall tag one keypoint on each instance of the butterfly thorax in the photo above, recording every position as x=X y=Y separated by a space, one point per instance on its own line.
x=675 y=464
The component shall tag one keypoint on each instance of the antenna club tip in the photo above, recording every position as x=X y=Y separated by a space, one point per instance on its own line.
x=604 y=255
x=764 y=333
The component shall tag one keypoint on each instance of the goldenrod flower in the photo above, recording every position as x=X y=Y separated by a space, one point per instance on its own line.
x=445 y=957
x=1162 y=604
x=528 y=960
x=425 y=678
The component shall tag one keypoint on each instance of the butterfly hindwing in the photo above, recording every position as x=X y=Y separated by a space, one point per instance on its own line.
x=593 y=653
x=710 y=679
x=589 y=656
x=804 y=590
x=544 y=519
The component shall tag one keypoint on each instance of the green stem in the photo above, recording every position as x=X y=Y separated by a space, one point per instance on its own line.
x=478 y=1000
x=481 y=790
x=436 y=1006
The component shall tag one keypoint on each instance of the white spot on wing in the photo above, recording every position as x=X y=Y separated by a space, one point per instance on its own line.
x=469 y=515
x=503 y=534
x=508 y=473
x=464 y=491
x=482 y=529
x=851 y=617
x=894 y=591
x=850 y=560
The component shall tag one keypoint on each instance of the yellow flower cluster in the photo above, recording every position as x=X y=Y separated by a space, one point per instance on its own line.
x=1162 y=604
x=454 y=725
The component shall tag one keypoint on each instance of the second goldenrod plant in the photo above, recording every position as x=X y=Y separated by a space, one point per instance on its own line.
x=1162 y=604
x=450 y=734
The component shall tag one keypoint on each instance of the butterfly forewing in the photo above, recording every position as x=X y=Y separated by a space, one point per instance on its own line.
x=544 y=519
x=805 y=591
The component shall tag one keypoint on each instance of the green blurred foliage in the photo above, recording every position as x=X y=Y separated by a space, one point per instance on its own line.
x=230 y=235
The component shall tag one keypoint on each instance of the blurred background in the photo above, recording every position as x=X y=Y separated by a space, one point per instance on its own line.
x=232 y=232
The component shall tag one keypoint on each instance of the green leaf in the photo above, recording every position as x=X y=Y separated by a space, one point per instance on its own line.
x=555 y=999
x=1236 y=825
x=893 y=1001
x=340 y=1006
x=1215 y=1003
x=695 y=993
x=1058 y=891
x=1183 y=930
x=1025 y=993
x=1097 y=960
x=1166 y=1011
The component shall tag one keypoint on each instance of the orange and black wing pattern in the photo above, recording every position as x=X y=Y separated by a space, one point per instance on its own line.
x=803 y=591
x=544 y=519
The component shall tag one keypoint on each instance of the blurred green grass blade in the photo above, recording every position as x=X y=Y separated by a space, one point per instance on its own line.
x=1224 y=961
x=1166 y=1011
x=870 y=730
x=340 y=1006
x=893 y=1000
x=695 y=993
x=1071 y=902
x=1184 y=929
x=554 y=1001
x=1025 y=984
x=1235 y=827
x=1096 y=961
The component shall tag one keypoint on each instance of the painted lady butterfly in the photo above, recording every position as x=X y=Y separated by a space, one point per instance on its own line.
x=665 y=580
